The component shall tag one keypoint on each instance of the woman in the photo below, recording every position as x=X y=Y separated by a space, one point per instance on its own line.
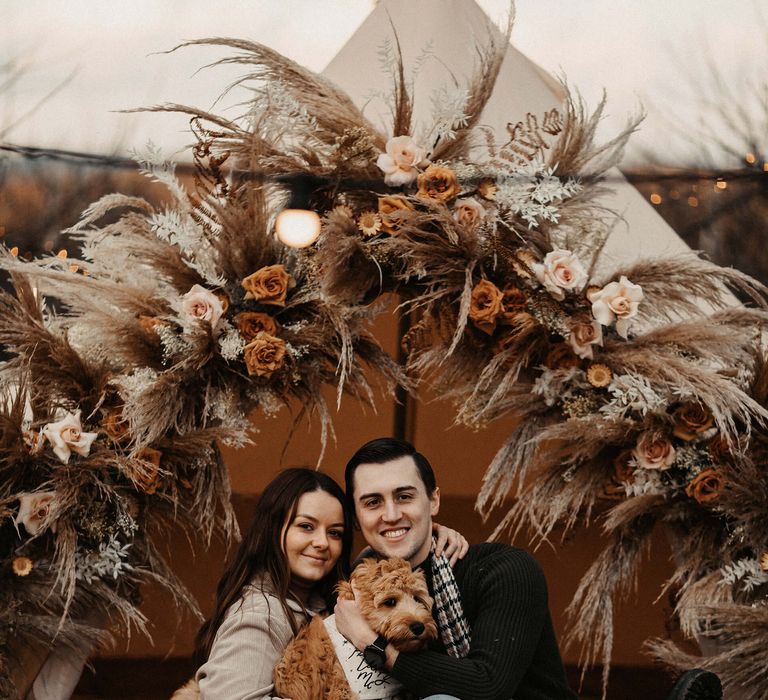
x=296 y=549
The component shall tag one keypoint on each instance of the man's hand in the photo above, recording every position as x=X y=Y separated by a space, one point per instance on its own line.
x=449 y=542
x=351 y=623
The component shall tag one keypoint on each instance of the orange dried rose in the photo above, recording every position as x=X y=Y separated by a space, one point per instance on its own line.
x=513 y=301
x=437 y=183
x=706 y=486
x=264 y=355
x=393 y=212
x=691 y=419
x=485 y=305
x=250 y=323
x=623 y=473
x=719 y=449
x=268 y=285
x=145 y=470
x=115 y=426
x=561 y=357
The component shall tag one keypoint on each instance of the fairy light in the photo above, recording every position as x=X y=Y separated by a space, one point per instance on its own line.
x=721 y=184
x=750 y=158
x=765 y=167
x=297 y=228
x=693 y=201
x=656 y=198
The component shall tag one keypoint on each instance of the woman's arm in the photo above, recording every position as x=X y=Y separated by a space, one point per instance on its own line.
x=449 y=542
x=248 y=645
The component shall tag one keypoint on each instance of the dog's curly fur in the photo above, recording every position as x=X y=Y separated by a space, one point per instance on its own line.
x=394 y=600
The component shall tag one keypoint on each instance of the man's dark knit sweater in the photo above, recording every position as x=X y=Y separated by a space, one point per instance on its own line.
x=513 y=653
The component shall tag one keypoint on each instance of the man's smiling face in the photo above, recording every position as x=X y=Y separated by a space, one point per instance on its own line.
x=394 y=510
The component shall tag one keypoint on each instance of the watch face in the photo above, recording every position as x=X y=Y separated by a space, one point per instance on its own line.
x=374 y=657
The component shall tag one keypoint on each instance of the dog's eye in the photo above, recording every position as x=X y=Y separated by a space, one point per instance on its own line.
x=421 y=601
x=390 y=602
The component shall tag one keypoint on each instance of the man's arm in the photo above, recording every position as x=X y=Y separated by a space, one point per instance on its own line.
x=511 y=600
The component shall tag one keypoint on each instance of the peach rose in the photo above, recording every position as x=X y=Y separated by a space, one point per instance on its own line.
x=35 y=510
x=691 y=420
x=485 y=305
x=66 y=436
x=250 y=323
x=706 y=486
x=202 y=304
x=584 y=334
x=438 y=184
x=402 y=161
x=268 y=285
x=561 y=271
x=654 y=451
x=468 y=212
x=393 y=212
x=264 y=355
x=617 y=301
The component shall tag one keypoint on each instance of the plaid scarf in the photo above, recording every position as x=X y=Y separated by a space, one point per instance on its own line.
x=453 y=626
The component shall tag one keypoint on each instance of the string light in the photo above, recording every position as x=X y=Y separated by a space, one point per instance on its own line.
x=750 y=158
x=721 y=184
x=297 y=228
x=693 y=201
x=656 y=198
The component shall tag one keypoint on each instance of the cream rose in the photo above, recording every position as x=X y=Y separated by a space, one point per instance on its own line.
x=402 y=161
x=66 y=436
x=585 y=334
x=654 y=451
x=617 y=301
x=561 y=271
x=35 y=509
x=468 y=212
x=202 y=304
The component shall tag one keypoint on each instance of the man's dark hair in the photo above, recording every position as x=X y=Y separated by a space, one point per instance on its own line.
x=383 y=450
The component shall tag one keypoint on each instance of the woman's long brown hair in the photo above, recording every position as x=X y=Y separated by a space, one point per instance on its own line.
x=261 y=550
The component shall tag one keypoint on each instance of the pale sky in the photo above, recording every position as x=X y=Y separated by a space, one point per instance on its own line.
x=639 y=51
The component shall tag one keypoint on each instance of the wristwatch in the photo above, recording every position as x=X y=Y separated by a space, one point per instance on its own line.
x=375 y=655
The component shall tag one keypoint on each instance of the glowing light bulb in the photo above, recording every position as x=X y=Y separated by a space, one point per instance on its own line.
x=297 y=228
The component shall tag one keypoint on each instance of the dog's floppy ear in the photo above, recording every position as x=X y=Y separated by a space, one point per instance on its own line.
x=344 y=590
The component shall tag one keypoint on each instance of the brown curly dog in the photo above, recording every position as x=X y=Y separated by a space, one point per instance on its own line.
x=396 y=604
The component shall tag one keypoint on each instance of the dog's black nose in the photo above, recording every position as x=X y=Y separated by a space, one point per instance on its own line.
x=417 y=628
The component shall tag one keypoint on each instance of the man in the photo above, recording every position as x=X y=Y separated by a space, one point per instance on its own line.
x=496 y=636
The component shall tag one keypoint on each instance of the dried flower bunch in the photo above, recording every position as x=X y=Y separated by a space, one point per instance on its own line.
x=640 y=389
x=77 y=504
